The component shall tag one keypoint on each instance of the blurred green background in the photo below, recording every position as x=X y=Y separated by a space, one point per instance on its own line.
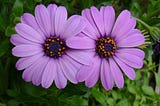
x=140 y=92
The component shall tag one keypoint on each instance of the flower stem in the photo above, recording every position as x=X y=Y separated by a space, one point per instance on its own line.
x=143 y=23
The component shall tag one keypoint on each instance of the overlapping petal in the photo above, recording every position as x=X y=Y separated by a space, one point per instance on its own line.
x=49 y=74
x=33 y=32
x=106 y=76
x=102 y=24
x=76 y=43
x=43 y=19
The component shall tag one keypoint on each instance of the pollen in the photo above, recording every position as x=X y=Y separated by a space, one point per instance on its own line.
x=105 y=47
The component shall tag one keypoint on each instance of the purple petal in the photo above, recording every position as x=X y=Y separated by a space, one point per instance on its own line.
x=29 y=33
x=26 y=50
x=80 y=56
x=28 y=72
x=43 y=19
x=106 y=76
x=38 y=70
x=132 y=41
x=25 y=62
x=130 y=59
x=87 y=14
x=30 y=20
x=49 y=74
x=127 y=27
x=130 y=33
x=93 y=78
x=98 y=19
x=122 y=20
x=73 y=26
x=116 y=73
x=89 y=31
x=60 y=79
x=126 y=69
x=69 y=69
x=80 y=43
x=85 y=71
x=17 y=40
x=133 y=51
x=60 y=20
x=108 y=17
x=52 y=10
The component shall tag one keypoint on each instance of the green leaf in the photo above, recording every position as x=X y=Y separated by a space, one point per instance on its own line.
x=123 y=102
x=4 y=47
x=132 y=89
x=18 y=7
x=99 y=96
x=35 y=91
x=148 y=90
x=136 y=103
x=76 y=101
x=157 y=78
x=12 y=93
x=110 y=101
x=2 y=104
x=12 y=103
x=9 y=31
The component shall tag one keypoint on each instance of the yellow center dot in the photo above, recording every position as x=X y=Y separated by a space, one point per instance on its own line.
x=105 y=47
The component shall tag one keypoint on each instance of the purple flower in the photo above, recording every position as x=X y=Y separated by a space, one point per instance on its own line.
x=112 y=45
x=41 y=44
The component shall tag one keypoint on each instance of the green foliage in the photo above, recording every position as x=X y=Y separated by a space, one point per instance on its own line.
x=15 y=92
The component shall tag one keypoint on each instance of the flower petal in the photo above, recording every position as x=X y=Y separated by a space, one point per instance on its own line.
x=38 y=71
x=127 y=27
x=28 y=72
x=29 y=33
x=80 y=43
x=132 y=41
x=25 y=62
x=98 y=19
x=133 y=51
x=106 y=76
x=122 y=20
x=85 y=71
x=43 y=19
x=60 y=20
x=17 y=40
x=26 y=50
x=30 y=20
x=108 y=17
x=130 y=33
x=89 y=31
x=93 y=78
x=130 y=59
x=126 y=69
x=73 y=26
x=116 y=73
x=87 y=14
x=52 y=10
x=80 y=56
x=69 y=69
x=49 y=74
x=60 y=79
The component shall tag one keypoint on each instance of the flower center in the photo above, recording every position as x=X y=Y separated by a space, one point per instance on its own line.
x=105 y=47
x=54 y=47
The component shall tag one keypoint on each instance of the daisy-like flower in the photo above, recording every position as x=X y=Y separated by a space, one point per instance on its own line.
x=41 y=44
x=112 y=45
